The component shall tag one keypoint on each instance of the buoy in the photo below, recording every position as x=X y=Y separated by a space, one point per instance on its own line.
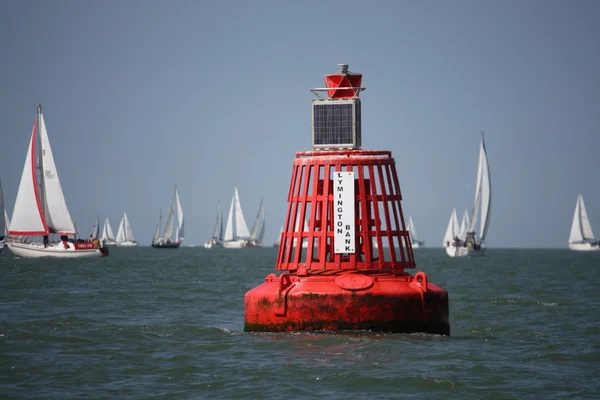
x=345 y=268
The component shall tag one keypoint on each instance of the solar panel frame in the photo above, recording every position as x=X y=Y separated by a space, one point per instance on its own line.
x=336 y=124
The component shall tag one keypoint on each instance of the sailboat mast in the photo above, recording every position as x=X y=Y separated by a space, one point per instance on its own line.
x=40 y=160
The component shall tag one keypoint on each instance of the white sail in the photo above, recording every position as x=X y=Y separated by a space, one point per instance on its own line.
x=412 y=231
x=3 y=222
x=581 y=229
x=169 y=226
x=261 y=234
x=181 y=226
x=107 y=232
x=7 y=222
x=278 y=239
x=57 y=214
x=586 y=227
x=121 y=231
x=229 y=234
x=96 y=228
x=156 y=235
x=258 y=222
x=127 y=228
x=241 y=229
x=464 y=226
x=452 y=230
x=218 y=231
x=482 y=206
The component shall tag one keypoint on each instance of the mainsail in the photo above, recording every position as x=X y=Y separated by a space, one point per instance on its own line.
x=482 y=206
x=452 y=230
x=125 y=233
x=180 y=220
x=581 y=229
x=218 y=231
x=258 y=223
x=174 y=227
x=156 y=235
x=96 y=228
x=236 y=227
x=107 y=232
x=412 y=231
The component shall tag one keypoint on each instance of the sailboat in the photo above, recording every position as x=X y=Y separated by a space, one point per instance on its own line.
x=414 y=241
x=257 y=233
x=236 y=231
x=217 y=236
x=304 y=229
x=582 y=237
x=40 y=208
x=473 y=244
x=95 y=235
x=125 y=236
x=278 y=239
x=3 y=222
x=174 y=230
x=108 y=237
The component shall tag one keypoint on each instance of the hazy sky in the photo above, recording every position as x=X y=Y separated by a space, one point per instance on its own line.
x=140 y=95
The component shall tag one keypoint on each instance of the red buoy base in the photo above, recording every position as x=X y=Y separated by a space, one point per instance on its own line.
x=347 y=300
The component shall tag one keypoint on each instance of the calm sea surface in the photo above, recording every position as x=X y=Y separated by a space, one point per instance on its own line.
x=168 y=324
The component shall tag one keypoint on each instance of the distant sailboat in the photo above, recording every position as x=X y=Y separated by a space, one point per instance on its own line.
x=415 y=242
x=108 y=237
x=174 y=230
x=582 y=237
x=40 y=207
x=304 y=229
x=278 y=239
x=217 y=236
x=3 y=221
x=125 y=236
x=95 y=235
x=472 y=244
x=236 y=231
x=258 y=229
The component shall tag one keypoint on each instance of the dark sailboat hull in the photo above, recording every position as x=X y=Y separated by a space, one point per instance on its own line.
x=172 y=245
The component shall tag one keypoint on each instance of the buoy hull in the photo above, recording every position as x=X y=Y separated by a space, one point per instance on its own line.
x=347 y=301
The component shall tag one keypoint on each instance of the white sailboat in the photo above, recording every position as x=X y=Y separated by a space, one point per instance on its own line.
x=304 y=229
x=473 y=242
x=40 y=208
x=108 y=237
x=125 y=236
x=236 y=233
x=174 y=230
x=414 y=241
x=217 y=236
x=582 y=237
x=278 y=239
x=3 y=221
x=258 y=229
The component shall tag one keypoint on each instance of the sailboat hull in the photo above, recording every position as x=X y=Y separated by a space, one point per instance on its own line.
x=418 y=244
x=127 y=244
x=235 y=244
x=164 y=245
x=55 y=250
x=586 y=246
x=454 y=251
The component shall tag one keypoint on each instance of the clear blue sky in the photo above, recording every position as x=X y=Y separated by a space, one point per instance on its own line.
x=140 y=95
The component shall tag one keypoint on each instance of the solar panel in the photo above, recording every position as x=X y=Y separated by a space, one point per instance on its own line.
x=336 y=123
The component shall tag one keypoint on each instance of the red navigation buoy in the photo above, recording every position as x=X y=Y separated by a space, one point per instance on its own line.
x=344 y=245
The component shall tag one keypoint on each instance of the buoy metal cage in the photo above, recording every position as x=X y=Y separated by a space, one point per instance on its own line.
x=382 y=240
